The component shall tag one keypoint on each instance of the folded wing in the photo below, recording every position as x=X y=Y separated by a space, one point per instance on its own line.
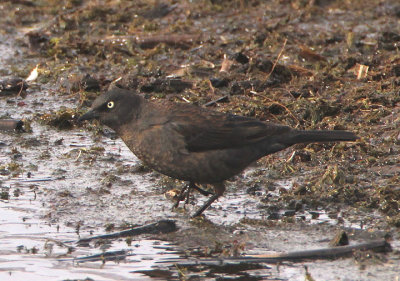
x=230 y=131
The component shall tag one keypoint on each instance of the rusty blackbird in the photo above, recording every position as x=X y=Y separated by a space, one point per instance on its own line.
x=196 y=144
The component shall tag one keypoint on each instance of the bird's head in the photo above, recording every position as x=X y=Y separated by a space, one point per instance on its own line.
x=114 y=108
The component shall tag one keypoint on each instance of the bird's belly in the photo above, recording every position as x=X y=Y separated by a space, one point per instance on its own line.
x=201 y=167
x=167 y=156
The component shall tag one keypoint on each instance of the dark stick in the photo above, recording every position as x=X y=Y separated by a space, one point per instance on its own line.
x=216 y=101
x=10 y=124
x=328 y=253
x=163 y=226
x=332 y=252
x=107 y=256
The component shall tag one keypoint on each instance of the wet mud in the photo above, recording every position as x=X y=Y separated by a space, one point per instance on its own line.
x=307 y=64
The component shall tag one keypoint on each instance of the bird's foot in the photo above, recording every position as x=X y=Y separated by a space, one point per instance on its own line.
x=185 y=194
x=181 y=196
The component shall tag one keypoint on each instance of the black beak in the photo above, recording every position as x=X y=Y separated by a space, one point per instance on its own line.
x=91 y=114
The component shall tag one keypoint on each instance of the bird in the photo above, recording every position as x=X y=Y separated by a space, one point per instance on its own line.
x=193 y=143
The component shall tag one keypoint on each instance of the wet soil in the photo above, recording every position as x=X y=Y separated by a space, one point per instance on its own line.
x=307 y=64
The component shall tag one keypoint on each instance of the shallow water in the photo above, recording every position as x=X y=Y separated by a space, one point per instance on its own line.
x=31 y=249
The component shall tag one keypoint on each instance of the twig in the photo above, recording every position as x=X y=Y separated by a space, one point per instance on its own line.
x=162 y=226
x=38 y=180
x=21 y=89
x=287 y=109
x=276 y=61
x=106 y=256
x=215 y=101
x=211 y=87
x=328 y=253
x=79 y=155
x=291 y=157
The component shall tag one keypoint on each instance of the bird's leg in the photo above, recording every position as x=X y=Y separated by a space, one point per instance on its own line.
x=192 y=185
x=201 y=191
x=181 y=196
x=219 y=190
x=185 y=192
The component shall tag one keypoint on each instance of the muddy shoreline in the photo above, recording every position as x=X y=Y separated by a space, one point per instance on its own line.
x=310 y=65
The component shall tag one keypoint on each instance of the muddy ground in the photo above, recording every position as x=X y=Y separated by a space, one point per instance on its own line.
x=307 y=64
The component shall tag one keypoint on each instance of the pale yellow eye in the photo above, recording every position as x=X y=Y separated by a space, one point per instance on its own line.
x=110 y=104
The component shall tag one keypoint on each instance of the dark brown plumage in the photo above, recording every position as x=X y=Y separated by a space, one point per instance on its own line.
x=195 y=144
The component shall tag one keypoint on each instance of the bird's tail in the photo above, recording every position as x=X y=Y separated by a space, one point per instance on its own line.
x=321 y=136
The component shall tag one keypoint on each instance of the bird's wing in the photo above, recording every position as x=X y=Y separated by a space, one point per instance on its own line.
x=221 y=131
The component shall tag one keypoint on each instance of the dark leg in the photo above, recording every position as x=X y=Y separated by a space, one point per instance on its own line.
x=219 y=190
x=192 y=185
x=201 y=191
x=181 y=196
x=185 y=192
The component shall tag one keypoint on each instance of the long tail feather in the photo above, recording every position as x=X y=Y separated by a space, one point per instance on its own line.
x=321 y=136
